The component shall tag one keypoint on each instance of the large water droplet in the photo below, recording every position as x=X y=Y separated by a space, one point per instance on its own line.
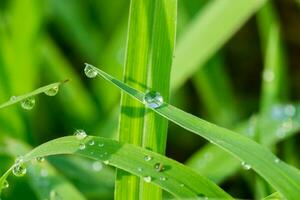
x=90 y=71
x=81 y=146
x=147 y=179
x=52 y=91
x=153 y=99
x=5 y=184
x=268 y=75
x=80 y=134
x=28 y=103
x=159 y=167
x=246 y=166
x=147 y=158
x=19 y=170
x=97 y=166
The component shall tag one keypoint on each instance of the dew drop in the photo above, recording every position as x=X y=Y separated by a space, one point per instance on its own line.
x=101 y=145
x=13 y=98
x=40 y=159
x=44 y=173
x=52 y=91
x=80 y=134
x=246 y=166
x=268 y=75
x=147 y=158
x=162 y=178
x=147 y=179
x=153 y=99
x=5 y=184
x=277 y=160
x=290 y=110
x=159 y=167
x=81 y=146
x=28 y=103
x=106 y=162
x=91 y=143
x=140 y=169
x=19 y=170
x=182 y=185
x=97 y=166
x=90 y=71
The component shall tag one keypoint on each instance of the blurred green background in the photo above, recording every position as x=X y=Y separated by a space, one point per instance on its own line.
x=45 y=41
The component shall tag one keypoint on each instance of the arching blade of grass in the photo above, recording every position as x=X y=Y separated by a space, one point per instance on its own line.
x=173 y=177
x=282 y=177
x=274 y=196
x=213 y=26
x=42 y=177
x=216 y=171
x=20 y=98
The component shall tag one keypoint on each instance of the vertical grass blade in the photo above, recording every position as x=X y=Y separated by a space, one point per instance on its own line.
x=213 y=26
x=163 y=42
x=131 y=123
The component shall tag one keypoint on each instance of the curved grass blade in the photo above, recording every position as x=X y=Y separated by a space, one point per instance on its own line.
x=42 y=177
x=284 y=178
x=17 y=99
x=174 y=177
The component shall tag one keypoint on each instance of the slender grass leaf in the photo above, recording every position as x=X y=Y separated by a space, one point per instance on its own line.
x=213 y=26
x=16 y=99
x=174 y=177
x=284 y=178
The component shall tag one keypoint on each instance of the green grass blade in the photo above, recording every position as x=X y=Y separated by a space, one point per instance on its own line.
x=155 y=53
x=42 y=177
x=213 y=26
x=175 y=178
x=131 y=122
x=282 y=177
x=162 y=46
x=17 y=99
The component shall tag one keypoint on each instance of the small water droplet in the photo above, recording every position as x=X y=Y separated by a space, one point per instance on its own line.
x=97 y=166
x=246 y=166
x=40 y=159
x=268 y=75
x=101 y=145
x=81 y=146
x=140 y=169
x=5 y=184
x=147 y=179
x=153 y=99
x=147 y=158
x=13 y=98
x=19 y=160
x=290 y=110
x=80 y=134
x=54 y=195
x=105 y=153
x=162 y=178
x=52 y=91
x=277 y=160
x=28 y=103
x=19 y=170
x=106 y=162
x=90 y=71
x=159 y=167
x=91 y=143
x=182 y=185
